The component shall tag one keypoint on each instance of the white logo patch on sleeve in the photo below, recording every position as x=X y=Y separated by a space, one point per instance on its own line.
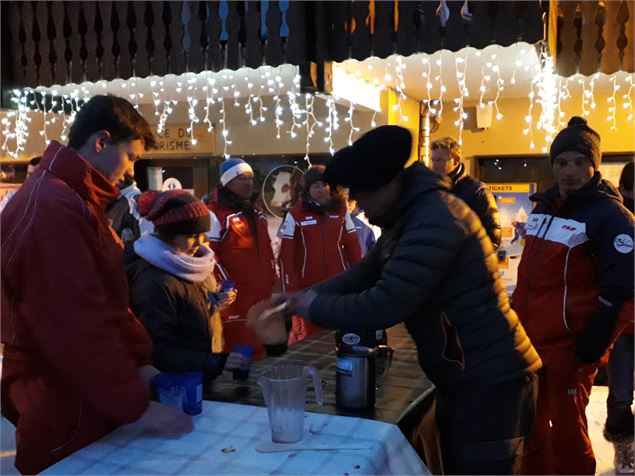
x=623 y=243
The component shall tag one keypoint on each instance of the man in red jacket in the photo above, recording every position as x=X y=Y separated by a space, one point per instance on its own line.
x=74 y=357
x=318 y=240
x=240 y=239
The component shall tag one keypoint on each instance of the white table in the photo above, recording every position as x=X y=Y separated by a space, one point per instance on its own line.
x=223 y=427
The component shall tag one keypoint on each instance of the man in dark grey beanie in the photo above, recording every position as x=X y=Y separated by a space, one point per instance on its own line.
x=574 y=294
x=434 y=269
x=579 y=137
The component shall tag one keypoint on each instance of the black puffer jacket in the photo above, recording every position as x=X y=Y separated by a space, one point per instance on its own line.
x=434 y=269
x=174 y=311
x=476 y=194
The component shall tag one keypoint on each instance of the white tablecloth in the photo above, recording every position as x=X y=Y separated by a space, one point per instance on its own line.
x=223 y=427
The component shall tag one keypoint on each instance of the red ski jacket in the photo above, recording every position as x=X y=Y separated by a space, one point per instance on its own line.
x=240 y=239
x=72 y=348
x=315 y=245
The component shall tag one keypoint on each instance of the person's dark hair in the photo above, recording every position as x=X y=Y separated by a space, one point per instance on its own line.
x=35 y=160
x=112 y=114
x=626 y=178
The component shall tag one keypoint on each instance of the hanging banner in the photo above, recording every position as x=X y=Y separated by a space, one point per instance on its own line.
x=512 y=200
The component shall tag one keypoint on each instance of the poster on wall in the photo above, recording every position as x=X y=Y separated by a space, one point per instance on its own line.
x=512 y=200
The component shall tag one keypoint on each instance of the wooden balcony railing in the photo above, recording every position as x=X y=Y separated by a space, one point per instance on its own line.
x=63 y=42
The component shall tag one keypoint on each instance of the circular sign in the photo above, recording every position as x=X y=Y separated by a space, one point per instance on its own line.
x=280 y=189
x=171 y=184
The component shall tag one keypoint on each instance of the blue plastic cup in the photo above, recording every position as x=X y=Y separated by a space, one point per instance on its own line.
x=168 y=389
x=192 y=386
x=227 y=285
x=248 y=351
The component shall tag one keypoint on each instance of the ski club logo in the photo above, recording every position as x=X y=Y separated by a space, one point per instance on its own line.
x=623 y=243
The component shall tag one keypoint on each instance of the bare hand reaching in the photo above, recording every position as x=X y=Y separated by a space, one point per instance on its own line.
x=268 y=318
x=165 y=421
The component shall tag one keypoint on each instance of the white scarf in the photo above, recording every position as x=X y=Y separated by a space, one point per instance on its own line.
x=191 y=268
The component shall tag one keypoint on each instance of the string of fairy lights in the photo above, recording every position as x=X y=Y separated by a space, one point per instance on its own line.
x=273 y=99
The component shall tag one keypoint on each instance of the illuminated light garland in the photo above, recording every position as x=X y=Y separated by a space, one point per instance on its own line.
x=261 y=109
x=550 y=92
x=583 y=99
x=463 y=93
x=442 y=89
x=191 y=102
x=500 y=86
x=349 y=119
x=225 y=131
x=330 y=106
x=401 y=85
x=310 y=116
x=547 y=85
x=628 y=100
x=209 y=100
x=529 y=118
x=591 y=87
x=612 y=117
x=296 y=111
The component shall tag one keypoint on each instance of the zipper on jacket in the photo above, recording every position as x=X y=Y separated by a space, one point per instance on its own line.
x=534 y=256
x=324 y=217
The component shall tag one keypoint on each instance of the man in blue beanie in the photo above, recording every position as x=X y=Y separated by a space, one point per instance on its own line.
x=574 y=293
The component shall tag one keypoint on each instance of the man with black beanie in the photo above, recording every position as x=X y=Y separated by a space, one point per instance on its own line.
x=574 y=292
x=434 y=269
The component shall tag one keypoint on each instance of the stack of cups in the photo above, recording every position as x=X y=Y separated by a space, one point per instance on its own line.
x=192 y=387
x=183 y=391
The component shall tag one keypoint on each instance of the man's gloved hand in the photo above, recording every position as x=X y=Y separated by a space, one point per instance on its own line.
x=595 y=339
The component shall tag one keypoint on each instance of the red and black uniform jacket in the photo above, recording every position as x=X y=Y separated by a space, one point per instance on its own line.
x=240 y=240
x=575 y=279
x=315 y=245
x=71 y=347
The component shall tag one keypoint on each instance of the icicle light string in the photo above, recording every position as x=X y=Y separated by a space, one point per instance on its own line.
x=401 y=85
x=529 y=118
x=442 y=88
x=548 y=91
x=612 y=116
x=308 y=104
x=500 y=86
x=329 y=124
x=225 y=132
x=463 y=93
x=628 y=99
x=349 y=119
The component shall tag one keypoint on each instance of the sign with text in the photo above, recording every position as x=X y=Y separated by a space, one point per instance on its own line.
x=177 y=140
x=512 y=200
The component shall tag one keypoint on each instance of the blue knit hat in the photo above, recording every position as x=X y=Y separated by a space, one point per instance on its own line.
x=232 y=168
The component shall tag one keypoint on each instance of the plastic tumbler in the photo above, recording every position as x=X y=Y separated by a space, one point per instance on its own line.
x=168 y=389
x=192 y=387
x=248 y=351
x=227 y=285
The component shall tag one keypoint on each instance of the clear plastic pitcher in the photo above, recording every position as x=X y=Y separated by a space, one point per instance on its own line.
x=284 y=389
